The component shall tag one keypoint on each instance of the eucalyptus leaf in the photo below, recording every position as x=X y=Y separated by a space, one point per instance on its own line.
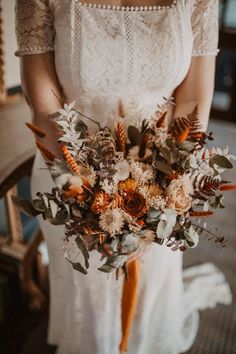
x=77 y=266
x=164 y=229
x=83 y=248
x=60 y=219
x=39 y=205
x=25 y=206
x=163 y=167
x=217 y=202
x=221 y=161
x=170 y=143
x=115 y=261
x=153 y=215
x=189 y=243
x=166 y=154
x=82 y=128
x=45 y=199
x=187 y=145
x=76 y=210
x=192 y=237
x=129 y=243
x=53 y=207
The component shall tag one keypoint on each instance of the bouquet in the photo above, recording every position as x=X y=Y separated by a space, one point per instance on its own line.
x=121 y=189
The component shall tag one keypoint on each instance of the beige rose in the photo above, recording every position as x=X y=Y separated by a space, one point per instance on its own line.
x=178 y=194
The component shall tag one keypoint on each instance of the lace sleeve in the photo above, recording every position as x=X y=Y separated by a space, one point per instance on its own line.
x=34 y=27
x=205 y=27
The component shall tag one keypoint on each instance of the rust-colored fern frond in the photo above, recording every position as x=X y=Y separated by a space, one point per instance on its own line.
x=191 y=121
x=121 y=138
x=206 y=185
x=194 y=123
x=36 y=130
x=46 y=153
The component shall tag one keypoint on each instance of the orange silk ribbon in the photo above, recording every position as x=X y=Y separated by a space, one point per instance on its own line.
x=129 y=301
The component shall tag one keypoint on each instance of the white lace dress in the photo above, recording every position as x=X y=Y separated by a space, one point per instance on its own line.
x=141 y=54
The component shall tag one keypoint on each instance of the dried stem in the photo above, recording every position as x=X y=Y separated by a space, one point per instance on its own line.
x=218 y=238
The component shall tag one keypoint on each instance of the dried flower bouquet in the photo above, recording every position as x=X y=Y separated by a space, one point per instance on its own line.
x=120 y=190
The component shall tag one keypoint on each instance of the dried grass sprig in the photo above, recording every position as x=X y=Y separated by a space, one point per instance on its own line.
x=200 y=213
x=120 y=132
x=36 y=130
x=70 y=160
x=227 y=187
x=48 y=154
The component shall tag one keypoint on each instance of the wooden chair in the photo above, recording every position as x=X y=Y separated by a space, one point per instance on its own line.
x=16 y=159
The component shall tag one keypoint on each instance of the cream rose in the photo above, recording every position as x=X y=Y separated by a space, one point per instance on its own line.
x=178 y=194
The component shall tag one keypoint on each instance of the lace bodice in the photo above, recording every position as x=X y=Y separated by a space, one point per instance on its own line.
x=101 y=53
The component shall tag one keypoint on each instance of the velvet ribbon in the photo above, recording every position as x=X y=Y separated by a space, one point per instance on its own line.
x=128 y=302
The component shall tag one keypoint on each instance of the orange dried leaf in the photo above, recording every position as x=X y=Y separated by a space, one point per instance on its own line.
x=36 y=130
x=48 y=154
x=161 y=120
x=201 y=213
x=227 y=187
x=183 y=136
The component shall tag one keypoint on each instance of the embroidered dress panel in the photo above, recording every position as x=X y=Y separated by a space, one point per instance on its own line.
x=141 y=54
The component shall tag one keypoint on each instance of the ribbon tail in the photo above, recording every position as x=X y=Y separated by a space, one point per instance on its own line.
x=129 y=301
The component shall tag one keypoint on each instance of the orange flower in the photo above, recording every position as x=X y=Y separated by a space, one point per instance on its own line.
x=75 y=192
x=127 y=185
x=133 y=203
x=101 y=202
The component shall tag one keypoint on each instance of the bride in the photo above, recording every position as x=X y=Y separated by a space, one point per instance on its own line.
x=140 y=51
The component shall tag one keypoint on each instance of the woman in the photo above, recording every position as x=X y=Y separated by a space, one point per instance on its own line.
x=95 y=54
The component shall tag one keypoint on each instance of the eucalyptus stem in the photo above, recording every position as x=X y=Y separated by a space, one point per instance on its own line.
x=218 y=238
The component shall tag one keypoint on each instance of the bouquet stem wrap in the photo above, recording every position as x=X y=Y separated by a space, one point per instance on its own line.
x=129 y=301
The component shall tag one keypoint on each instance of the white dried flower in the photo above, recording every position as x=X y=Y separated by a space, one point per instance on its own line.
x=153 y=195
x=109 y=187
x=147 y=238
x=133 y=154
x=112 y=221
x=89 y=174
x=141 y=172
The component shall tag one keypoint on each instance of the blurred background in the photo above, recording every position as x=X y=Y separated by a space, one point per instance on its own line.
x=24 y=291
